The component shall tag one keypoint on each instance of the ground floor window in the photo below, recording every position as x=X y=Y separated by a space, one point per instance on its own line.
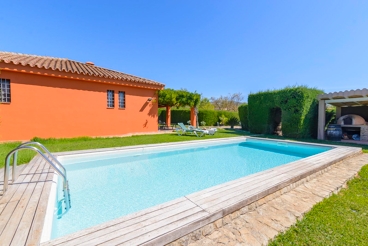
x=5 y=90
x=110 y=99
x=121 y=99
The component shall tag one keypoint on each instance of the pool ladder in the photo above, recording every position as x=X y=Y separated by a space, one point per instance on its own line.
x=48 y=157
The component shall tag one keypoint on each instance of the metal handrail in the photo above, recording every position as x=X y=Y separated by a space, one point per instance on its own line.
x=46 y=150
x=62 y=172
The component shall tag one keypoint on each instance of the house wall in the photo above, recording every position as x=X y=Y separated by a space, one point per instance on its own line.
x=61 y=107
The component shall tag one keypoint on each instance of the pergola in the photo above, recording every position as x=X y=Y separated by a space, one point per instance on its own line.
x=352 y=98
x=169 y=98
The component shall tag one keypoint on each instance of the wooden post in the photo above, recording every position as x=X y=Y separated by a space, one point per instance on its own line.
x=168 y=115
x=338 y=112
x=193 y=117
x=321 y=119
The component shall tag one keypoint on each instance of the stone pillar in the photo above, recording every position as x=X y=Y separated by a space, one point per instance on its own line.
x=364 y=133
x=338 y=112
x=321 y=119
x=193 y=117
x=168 y=115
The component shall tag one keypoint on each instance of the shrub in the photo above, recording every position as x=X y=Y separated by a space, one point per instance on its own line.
x=211 y=117
x=223 y=119
x=233 y=121
x=298 y=107
x=330 y=116
x=208 y=116
x=243 y=116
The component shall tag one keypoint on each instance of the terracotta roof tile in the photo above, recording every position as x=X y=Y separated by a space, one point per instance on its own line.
x=63 y=64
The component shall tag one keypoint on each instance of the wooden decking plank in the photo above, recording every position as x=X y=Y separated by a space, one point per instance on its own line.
x=17 y=214
x=227 y=202
x=283 y=177
x=161 y=230
x=23 y=178
x=7 y=215
x=239 y=195
x=243 y=184
x=2 y=206
x=225 y=188
x=131 y=218
x=148 y=228
x=21 y=234
x=15 y=198
x=22 y=231
x=133 y=225
x=231 y=184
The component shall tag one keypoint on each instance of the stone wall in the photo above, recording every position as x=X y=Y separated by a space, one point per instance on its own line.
x=364 y=133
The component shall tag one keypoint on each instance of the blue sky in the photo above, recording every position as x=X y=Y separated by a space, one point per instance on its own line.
x=214 y=47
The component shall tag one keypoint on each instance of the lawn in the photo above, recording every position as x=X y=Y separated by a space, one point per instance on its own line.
x=82 y=143
x=341 y=219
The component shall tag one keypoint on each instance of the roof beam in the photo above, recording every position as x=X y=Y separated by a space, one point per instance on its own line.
x=360 y=99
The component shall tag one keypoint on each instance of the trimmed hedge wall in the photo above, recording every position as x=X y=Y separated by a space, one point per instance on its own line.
x=299 y=111
x=211 y=117
x=243 y=116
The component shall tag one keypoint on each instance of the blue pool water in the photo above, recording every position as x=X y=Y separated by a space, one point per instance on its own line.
x=106 y=186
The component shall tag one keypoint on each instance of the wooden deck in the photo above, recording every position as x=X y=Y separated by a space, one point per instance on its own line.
x=23 y=206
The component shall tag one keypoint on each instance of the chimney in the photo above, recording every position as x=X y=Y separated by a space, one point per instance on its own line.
x=90 y=63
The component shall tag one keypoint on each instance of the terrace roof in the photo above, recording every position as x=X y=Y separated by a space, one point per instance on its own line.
x=346 y=98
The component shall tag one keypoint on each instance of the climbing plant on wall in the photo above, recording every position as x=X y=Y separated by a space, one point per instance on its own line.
x=298 y=106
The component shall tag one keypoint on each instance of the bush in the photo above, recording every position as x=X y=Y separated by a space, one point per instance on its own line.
x=233 y=121
x=243 y=116
x=330 y=116
x=211 y=117
x=298 y=107
x=223 y=120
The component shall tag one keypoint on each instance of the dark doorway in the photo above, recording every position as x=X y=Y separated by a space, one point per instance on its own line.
x=276 y=125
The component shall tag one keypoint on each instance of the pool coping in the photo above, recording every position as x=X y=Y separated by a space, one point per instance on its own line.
x=166 y=222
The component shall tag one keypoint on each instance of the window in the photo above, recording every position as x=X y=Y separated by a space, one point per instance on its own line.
x=121 y=99
x=110 y=99
x=5 y=90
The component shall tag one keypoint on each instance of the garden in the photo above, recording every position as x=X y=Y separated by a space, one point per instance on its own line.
x=288 y=114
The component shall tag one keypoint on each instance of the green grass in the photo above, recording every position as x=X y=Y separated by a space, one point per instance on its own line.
x=341 y=219
x=82 y=143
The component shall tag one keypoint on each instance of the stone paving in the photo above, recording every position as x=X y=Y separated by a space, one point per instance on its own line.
x=260 y=222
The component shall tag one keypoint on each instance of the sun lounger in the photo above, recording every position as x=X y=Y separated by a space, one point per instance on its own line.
x=191 y=130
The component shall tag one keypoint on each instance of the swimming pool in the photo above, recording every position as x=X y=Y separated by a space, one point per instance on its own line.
x=107 y=185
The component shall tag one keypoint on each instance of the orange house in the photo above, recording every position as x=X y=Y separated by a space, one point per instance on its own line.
x=60 y=98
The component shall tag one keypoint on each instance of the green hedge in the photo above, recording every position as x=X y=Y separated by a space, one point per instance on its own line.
x=177 y=115
x=243 y=116
x=211 y=117
x=299 y=111
x=330 y=116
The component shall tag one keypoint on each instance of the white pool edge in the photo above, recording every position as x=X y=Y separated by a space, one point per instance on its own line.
x=50 y=210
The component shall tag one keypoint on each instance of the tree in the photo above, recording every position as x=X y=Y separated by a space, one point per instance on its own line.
x=229 y=103
x=206 y=104
x=178 y=98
